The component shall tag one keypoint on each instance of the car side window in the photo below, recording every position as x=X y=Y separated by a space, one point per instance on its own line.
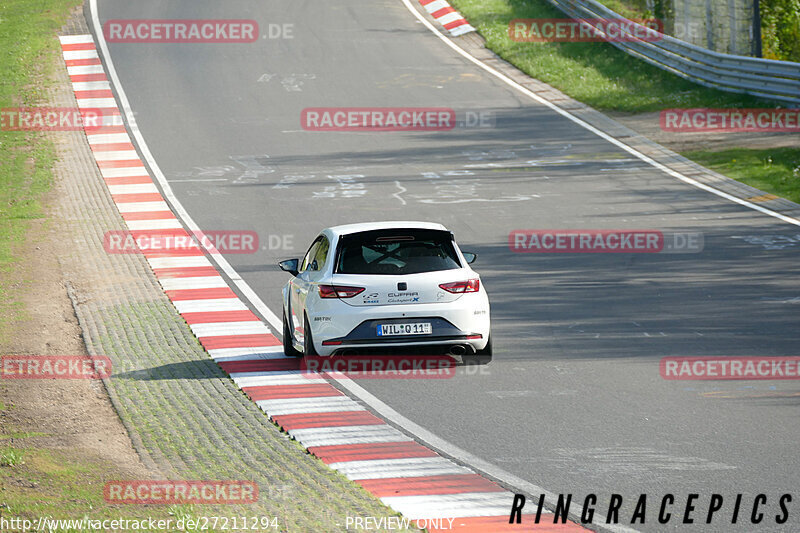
x=321 y=254
x=309 y=257
x=316 y=255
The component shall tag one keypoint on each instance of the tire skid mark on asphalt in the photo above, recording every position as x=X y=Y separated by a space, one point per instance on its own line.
x=405 y=475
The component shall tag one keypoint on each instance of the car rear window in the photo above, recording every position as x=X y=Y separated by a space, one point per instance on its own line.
x=396 y=252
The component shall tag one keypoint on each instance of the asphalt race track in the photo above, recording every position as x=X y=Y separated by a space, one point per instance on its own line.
x=573 y=401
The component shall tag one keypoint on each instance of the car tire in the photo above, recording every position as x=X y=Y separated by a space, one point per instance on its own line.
x=308 y=341
x=481 y=357
x=288 y=347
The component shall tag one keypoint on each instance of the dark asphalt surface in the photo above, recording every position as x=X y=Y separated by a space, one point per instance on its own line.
x=573 y=401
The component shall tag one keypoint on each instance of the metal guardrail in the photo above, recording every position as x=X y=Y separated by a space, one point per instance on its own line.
x=765 y=78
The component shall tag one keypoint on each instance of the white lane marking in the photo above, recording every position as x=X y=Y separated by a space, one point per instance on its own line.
x=80 y=54
x=460 y=505
x=85 y=69
x=335 y=436
x=108 y=138
x=208 y=306
x=95 y=103
x=586 y=125
x=406 y=467
x=200 y=282
x=124 y=172
x=320 y=404
x=187 y=261
x=116 y=155
x=132 y=188
x=75 y=39
x=219 y=329
x=143 y=207
x=164 y=223
x=90 y=86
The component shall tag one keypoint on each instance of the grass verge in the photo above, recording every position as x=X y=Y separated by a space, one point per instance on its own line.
x=27 y=42
x=597 y=74
x=776 y=170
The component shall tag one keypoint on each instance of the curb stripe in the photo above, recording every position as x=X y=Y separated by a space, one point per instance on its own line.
x=499 y=524
x=200 y=294
x=393 y=468
x=447 y=16
x=366 y=452
x=188 y=273
x=348 y=435
x=238 y=341
x=275 y=392
x=452 y=505
x=446 y=484
x=207 y=306
x=317 y=420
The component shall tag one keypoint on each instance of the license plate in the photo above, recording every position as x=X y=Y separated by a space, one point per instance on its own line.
x=418 y=328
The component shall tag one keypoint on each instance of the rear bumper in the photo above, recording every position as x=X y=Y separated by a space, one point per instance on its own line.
x=465 y=322
x=365 y=337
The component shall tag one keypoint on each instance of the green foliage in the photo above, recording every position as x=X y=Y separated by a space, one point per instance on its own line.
x=780 y=29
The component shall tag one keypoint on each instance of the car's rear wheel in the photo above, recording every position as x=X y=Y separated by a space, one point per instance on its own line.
x=308 y=342
x=288 y=347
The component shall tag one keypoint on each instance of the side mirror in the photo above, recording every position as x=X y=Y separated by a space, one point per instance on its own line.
x=469 y=257
x=290 y=266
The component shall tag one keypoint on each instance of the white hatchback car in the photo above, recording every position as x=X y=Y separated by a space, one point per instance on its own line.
x=385 y=287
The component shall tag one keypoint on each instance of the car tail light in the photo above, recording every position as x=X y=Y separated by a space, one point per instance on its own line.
x=339 y=291
x=457 y=287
